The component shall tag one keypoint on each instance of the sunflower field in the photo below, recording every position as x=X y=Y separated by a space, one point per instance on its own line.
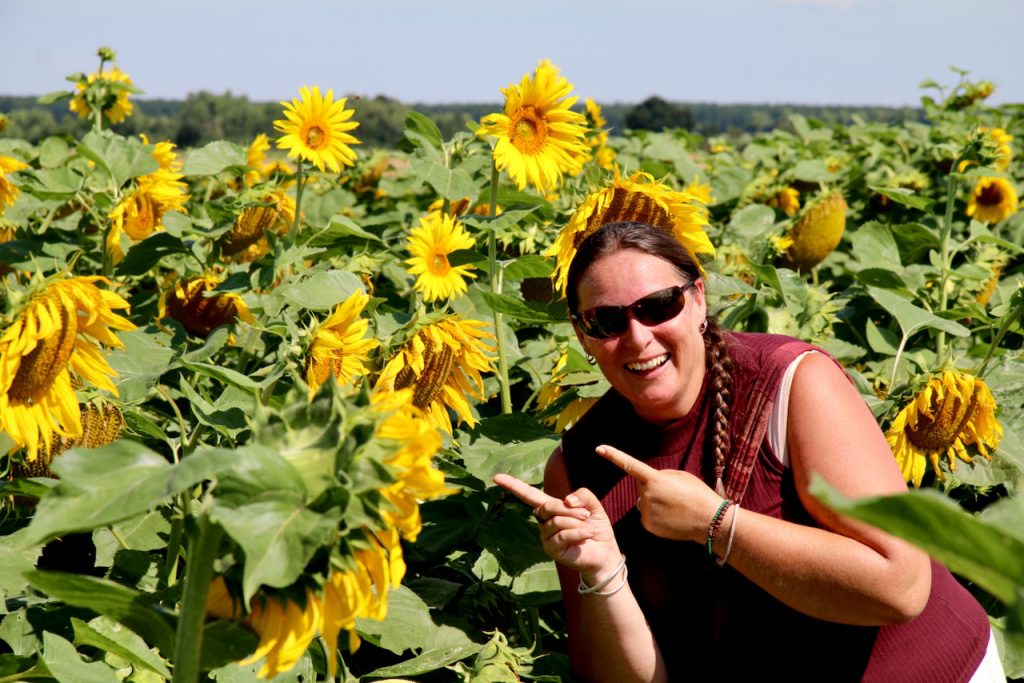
x=252 y=398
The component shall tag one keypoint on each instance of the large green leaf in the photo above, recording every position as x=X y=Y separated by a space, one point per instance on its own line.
x=875 y=246
x=528 y=312
x=969 y=546
x=213 y=158
x=140 y=363
x=277 y=536
x=905 y=196
x=430 y=660
x=321 y=291
x=147 y=531
x=67 y=666
x=143 y=256
x=912 y=318
x=484 y=458
x=124 y=605
x=452 y=184
x=421 y=129
x=110 y=636
x=115 y=483
x=121 y=158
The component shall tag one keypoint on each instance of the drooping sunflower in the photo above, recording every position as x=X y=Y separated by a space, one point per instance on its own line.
x=316 y=127
x=442 y=363
x=141 y=212
x=1000 y=139
x=572 y=411
x=246 y=241
x=637 y=198
x=9 y=191
x=58 y=332
x=437 y=236
x=993 y=199
x=254 y=159
x=953 y=411
x=539 y=137
x=101 y=424
x=286 y=629
x=338 y=346
x=815 y=233
x=598 y=138
x=198 y=313
x=416 y=477
x=116 y=105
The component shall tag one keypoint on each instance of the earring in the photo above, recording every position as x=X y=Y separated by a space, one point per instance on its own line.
x=591 y=359
x=703 y=327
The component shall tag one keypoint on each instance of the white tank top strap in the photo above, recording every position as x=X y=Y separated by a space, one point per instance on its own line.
x=779 y=417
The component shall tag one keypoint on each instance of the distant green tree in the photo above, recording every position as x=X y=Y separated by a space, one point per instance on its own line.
x=656 y=114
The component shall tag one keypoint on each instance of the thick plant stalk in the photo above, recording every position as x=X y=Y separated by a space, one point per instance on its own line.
x=496 y=285
x=188 y=641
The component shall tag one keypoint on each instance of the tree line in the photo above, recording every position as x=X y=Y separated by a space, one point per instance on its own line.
x=203 y=117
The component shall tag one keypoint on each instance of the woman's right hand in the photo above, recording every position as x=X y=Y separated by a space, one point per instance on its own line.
x=575 y=530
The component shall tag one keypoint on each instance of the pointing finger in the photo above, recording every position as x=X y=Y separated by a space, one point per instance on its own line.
x=637 y=469
x=530 y=495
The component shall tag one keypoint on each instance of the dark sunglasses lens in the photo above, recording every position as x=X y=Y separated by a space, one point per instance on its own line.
x=659 y=307
x=605 y=322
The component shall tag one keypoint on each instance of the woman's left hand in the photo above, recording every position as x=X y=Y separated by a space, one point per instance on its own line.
x=673 y=504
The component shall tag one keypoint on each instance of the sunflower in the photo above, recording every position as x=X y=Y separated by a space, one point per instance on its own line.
x=437 y=236
x=416 y=478
x=338 y=346
x=442 y=362
x=116 y=106
x=1000 y=140
x=101 y=424
x=598 y=138
x=700 y=191
x=9 y=191
x=286 y=629
x=992 y=200
x=316 y=129
x=59 y=331
x=254 y=159
x=361 y=590
x=816 y=233
x=141 y=212
x=246 y=241
x=954 y=410
x=786 y=200
x=539 y=137
x=637 y=198
x=198 y=313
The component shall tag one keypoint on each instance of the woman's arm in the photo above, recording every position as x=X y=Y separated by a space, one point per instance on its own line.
x=609 y=639
x=845 y=572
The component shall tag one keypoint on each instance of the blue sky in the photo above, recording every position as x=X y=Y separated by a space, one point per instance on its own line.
x=857 y=52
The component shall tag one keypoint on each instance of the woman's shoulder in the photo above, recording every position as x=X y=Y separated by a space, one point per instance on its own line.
x=756 y=352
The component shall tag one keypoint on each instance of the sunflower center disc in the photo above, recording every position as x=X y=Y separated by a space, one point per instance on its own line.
x=949 y=419
x=439 y=264
x=316 y=136
x=990 y=196
x=48 y=359
x=528 y=131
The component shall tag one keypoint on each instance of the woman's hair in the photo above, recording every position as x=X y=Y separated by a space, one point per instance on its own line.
x=660 y=243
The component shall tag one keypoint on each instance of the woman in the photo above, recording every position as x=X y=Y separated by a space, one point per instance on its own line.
x=704 y=556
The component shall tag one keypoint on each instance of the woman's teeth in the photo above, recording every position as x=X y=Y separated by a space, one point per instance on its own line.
x=647 y=365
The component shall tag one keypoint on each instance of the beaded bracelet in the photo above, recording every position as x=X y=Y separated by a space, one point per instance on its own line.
x=584 y=589
x=732 y=532
x=716 y=523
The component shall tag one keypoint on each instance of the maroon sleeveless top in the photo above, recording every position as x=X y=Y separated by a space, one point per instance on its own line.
x=713 y=624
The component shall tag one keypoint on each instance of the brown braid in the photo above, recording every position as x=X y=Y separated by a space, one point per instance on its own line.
x=719 y=369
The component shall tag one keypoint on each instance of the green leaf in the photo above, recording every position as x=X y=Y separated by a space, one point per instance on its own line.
x=881 y=340
x=342 y=227
x=425 y=130
x=528 y=312
x=144 y=255
x=278 y=538
x=429 y=660
x=230 y=421
x=322 y=290
x=122 y=158
x=13 y=565
x=967 y=545
x=812 y=171
x=540 y=582
x=914 y=241
x=875 y=246
x=911 y=318
x=531 y=265
x=213 y=158
x=110 y=636
x=67 y=666
x=751 y=222
x=140 y=363
x=225 y=375
x=513 y=428
x=905 y=197
x=484 y=458
x=511 y=536
x=452 y=184
x=19 y=634
x=51 y=183
x=122 y=604
x=88 y=496
x=259 y=470
x=407 y=625
x=145 y=532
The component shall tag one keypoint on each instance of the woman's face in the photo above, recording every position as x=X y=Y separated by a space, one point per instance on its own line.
x=658 y=368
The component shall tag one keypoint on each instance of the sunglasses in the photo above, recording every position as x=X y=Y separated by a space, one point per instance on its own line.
x=605 y=322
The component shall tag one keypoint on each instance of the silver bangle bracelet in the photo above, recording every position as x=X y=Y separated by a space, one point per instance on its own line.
x=728 y=544
x=584 y=589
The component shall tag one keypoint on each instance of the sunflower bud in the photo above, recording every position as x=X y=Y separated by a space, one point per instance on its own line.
x=816 y=233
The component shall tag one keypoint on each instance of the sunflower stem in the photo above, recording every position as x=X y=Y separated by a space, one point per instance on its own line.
x=497 y=275
x=997 y=340
x=945 y=257
x=896 y=362
x=188 y=641
x=168 y=572
x=293 y=235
